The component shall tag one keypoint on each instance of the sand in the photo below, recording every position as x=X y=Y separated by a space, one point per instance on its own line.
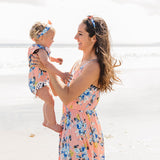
x=130 y=118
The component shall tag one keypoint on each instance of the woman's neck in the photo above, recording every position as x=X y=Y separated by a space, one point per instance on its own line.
x=88 y=55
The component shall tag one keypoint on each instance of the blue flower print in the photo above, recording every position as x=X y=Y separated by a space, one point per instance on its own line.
x=31 y=69
x=32 y=84
x=65 y=150
x=67 y=120
x=90 y=112
x=85 y=96
x=94 y=136
x=103 y=157
x=81 y=126
x=93 y=97
x=81 y=153
x=40 y=73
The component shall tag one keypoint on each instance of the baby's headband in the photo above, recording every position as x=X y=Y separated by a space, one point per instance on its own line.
x=45 y=29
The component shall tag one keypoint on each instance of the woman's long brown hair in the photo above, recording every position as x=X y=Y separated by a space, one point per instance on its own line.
x=98 y=27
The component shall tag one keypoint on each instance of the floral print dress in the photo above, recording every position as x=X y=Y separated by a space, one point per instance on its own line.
x=81 y=137
x=37 y=77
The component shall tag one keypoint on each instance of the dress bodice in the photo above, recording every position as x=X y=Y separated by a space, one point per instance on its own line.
x=88 y=100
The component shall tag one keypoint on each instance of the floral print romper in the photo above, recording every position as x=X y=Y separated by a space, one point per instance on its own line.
x=81 y=137
x=37 y=77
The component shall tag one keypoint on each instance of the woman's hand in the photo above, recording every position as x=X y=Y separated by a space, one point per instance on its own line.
x=37 y=63
x=66 y=77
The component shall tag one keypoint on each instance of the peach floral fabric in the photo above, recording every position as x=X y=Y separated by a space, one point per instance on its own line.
x=37 y=78
x=81 y=137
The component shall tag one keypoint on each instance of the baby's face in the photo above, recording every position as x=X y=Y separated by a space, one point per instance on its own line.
x=48 y=38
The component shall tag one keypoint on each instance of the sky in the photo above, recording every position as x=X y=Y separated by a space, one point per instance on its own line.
x=129 y=21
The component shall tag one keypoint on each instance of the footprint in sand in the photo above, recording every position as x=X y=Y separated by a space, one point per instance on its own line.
x=109 y=136
x=32 y=135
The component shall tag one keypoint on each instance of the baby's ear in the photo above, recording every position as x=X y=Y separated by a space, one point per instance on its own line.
x=40 y=38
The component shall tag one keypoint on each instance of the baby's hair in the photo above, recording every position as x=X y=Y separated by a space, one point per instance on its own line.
x=36 y=29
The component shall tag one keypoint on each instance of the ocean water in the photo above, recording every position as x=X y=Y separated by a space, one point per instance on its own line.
x=14 y=58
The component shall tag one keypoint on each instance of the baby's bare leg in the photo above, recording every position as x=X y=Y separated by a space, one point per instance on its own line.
x=53 y=124
x=44 y=115
x=45 y=94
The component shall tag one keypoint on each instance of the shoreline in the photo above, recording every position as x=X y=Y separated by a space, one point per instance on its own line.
x=26 y=45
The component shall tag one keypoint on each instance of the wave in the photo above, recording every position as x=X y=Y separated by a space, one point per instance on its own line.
x=14 y=57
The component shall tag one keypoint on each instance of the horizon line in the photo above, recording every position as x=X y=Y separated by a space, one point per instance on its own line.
x=74 y=44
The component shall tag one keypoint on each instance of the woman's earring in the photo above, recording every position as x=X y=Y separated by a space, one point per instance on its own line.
x=96 y=49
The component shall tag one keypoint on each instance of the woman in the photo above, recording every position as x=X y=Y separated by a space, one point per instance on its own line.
x=81 y=137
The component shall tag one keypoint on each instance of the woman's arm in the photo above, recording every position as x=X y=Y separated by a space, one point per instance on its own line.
x=53 y=90
x=89 y=76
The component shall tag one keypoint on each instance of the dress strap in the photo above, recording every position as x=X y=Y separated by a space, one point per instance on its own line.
x=74 y=66
x=38 y=46
x=81 y=67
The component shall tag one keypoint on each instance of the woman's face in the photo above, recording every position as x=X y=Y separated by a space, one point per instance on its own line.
x=82 y=37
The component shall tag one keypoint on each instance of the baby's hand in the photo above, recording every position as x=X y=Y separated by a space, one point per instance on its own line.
x=59 y=60
x=66 y=77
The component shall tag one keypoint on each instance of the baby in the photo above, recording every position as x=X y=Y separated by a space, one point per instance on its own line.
x=43 y=36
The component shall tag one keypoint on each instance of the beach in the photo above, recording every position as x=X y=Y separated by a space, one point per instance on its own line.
x=129 y=116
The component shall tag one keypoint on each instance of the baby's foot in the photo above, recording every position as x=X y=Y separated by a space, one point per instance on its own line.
x=44 y=124
x=56 y=127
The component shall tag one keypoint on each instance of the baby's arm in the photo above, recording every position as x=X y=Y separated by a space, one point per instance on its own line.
x=52 y=59
x=42 y=54
x=58 y=60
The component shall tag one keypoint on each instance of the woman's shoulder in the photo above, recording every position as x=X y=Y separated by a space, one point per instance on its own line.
x=91 y=72
x=76 y=62
x=92 y=65
x=75 y=65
